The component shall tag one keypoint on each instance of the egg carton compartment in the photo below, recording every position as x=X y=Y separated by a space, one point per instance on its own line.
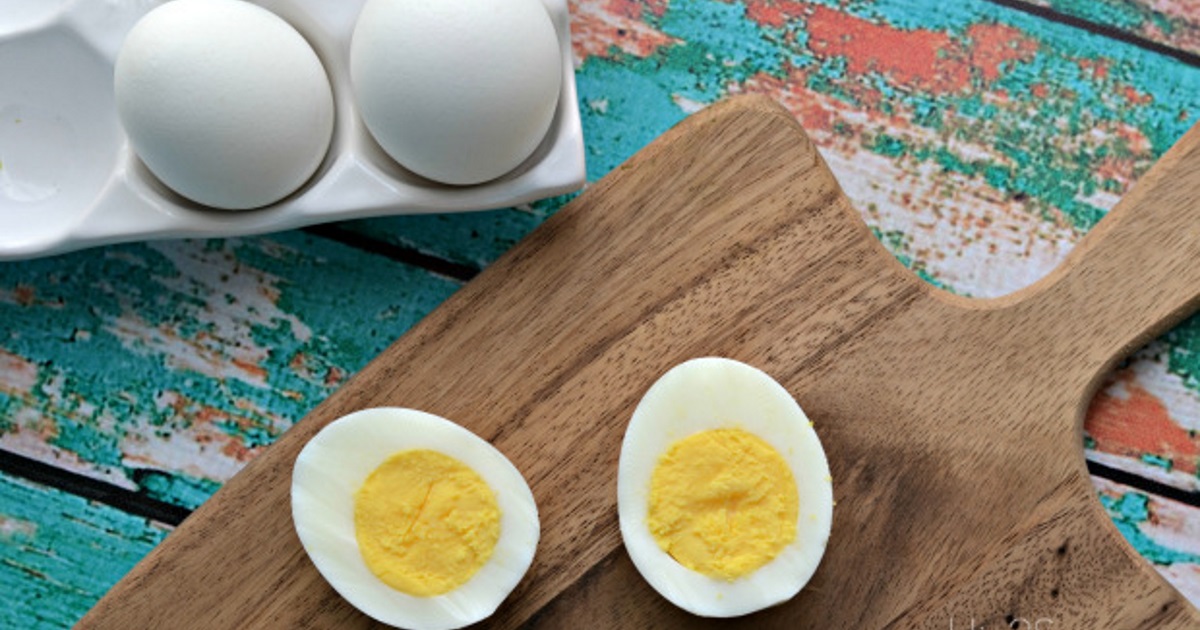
x=69 y=178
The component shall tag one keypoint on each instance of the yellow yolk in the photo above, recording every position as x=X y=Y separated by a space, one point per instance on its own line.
x=723 y=503
x=425 y=522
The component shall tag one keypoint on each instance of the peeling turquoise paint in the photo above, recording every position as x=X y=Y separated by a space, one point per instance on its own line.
x=1129 y=511
x=1052 y=180
x=914 y=14
x=1183 y=359
x=82 y=435
x=318 y=283
x=1122 y=14
x=177 y=488
x=1172 y=86
x=722 y=47
x=889 y=146
x=1157 y=460
x=897 y=243
x=637 y=109
x=59 y=553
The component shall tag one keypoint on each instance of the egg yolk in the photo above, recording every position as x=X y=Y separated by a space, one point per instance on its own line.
x=723 y=503
x=425 y=522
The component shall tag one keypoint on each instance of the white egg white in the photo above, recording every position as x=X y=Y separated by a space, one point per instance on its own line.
x=224 y=101
x=715 y=393
x=334 y=465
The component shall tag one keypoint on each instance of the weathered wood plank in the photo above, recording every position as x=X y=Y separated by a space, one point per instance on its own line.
x=59 y=554
x=473 y=239
x=1145 y=419
x=165 y=367
x=1165 y=532
x=1173 y=23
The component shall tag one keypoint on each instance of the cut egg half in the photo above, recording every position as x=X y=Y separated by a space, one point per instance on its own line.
x=413 y=519
x=723 y=489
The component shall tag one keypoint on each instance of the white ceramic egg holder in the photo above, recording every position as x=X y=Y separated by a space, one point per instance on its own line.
x=69 y=178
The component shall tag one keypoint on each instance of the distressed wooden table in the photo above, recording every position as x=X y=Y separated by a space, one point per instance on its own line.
x=980 y=139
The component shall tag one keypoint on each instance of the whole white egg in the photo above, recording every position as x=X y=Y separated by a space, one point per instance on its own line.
x=457 y=91
x=413 y=519
x=723 y=490
x=225 y=102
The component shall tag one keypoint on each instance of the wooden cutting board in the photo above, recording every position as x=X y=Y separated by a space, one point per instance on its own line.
x=953 y=426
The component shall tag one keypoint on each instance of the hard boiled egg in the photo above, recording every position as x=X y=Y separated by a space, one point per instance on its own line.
x=458 y=91
x=224 y=102
x=413 y=519
x=723 y=489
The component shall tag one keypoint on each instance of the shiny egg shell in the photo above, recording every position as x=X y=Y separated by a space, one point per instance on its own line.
x=224 y=102
x=458 y=91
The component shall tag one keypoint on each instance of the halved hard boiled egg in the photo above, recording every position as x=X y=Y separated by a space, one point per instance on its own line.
x=413 y=519
x=723 y=489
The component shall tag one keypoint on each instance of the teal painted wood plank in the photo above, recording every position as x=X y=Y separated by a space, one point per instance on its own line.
x=1174 y=23
x=1146 y=419
x=59 y=554
x=1166 y=533
x=165 y=367
x=473 y=239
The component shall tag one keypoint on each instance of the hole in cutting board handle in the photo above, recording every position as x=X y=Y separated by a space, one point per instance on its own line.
x=1143 y=460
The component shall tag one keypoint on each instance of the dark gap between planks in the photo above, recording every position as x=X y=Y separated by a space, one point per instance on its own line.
x=398 y=253
x=1104 y=30
x=129 y=501
x=1149 y=486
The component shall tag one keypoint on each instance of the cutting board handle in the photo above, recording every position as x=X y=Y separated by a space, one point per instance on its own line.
x=1132 y=277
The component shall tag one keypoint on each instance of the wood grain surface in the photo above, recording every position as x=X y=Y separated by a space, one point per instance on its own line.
x=952 y=425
